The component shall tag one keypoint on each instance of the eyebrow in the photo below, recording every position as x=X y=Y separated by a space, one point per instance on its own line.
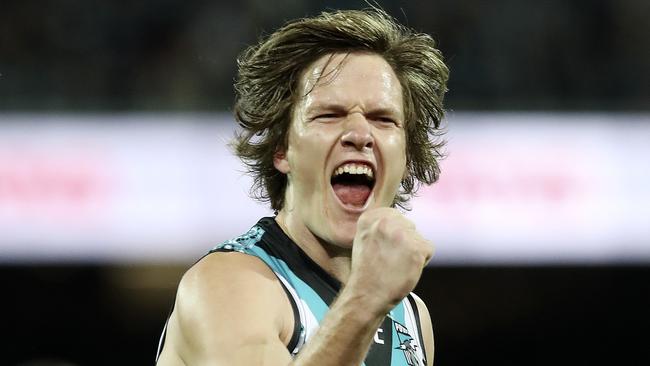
x=326 y=107
x=385 y=111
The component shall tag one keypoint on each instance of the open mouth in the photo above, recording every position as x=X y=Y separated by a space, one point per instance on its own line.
x=353 y=183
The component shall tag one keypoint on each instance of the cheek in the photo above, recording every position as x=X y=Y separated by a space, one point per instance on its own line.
x=307 y=158
x=395 y=160
x=396 y=146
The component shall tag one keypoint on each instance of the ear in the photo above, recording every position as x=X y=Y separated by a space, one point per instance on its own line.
x=281 y=162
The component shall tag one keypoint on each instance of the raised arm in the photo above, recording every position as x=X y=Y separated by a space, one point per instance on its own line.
x=231 y=309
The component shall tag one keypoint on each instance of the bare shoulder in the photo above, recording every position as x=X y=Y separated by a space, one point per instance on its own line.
x=226 y=304
x=224 y=271
x=427 y=328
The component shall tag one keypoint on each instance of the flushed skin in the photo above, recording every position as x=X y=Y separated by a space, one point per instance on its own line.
x=351 y=108
x=353 y=113
x=268 y=89
x=358 y=246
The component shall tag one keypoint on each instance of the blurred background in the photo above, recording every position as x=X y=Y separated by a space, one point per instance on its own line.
x=115 y=175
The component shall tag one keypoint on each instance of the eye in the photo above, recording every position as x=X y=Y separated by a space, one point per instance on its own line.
x=326 y=116
x=386 y=120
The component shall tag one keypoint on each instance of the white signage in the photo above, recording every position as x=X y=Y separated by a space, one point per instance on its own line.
x=515 y=188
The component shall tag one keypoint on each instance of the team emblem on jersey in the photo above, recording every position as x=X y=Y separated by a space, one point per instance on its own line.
x=243 y=242
x=407 y=345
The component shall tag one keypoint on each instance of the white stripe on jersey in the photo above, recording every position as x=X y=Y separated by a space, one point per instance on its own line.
x=308 y=322
x=412 y=325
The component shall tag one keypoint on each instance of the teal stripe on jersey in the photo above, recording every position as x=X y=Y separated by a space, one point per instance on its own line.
x=397 y=356
x=402 y=352
x=317 y=306
x=247 y=244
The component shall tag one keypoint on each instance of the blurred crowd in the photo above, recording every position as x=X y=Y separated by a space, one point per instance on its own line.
x=181 y=55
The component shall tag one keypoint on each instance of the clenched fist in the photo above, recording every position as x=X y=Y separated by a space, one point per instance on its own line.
x=388 y=256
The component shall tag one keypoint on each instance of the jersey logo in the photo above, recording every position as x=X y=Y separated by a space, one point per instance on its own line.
x=410 y=352
x=376 y=337
x=243 y=242
x=407 y=345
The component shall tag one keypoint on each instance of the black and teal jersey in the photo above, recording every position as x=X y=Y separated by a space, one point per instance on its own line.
x=311 y=291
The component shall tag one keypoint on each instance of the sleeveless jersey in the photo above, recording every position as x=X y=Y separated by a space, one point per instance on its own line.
x=311 y=291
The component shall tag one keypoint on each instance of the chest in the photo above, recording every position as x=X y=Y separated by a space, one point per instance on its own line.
x=397 y=342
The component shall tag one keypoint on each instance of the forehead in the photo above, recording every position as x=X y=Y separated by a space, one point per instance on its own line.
x=349 y=79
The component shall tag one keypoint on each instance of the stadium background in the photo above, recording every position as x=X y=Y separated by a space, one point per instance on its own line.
x=130 y=69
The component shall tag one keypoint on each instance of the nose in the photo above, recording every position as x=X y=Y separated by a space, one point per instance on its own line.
x=357 y=133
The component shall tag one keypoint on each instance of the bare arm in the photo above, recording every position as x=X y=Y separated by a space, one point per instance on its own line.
x=231 y=309
x=345 y=334
x=385 y=240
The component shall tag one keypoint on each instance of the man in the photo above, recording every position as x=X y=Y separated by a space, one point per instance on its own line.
x=341 y=118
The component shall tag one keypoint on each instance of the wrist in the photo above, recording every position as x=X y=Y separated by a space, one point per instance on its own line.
x=370 y=305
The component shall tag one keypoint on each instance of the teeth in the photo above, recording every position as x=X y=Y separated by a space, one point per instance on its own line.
x=352 y=168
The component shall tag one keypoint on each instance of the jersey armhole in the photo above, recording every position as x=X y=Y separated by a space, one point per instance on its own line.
x=295 y=336
x=416 y=313
x=297 y=327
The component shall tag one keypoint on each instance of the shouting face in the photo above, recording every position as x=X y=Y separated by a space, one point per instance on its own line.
x=346 y=147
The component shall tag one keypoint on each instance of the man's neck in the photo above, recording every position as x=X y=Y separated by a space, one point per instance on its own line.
x=333 y=259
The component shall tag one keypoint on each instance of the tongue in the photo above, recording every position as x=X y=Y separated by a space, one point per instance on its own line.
x=352 y=194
